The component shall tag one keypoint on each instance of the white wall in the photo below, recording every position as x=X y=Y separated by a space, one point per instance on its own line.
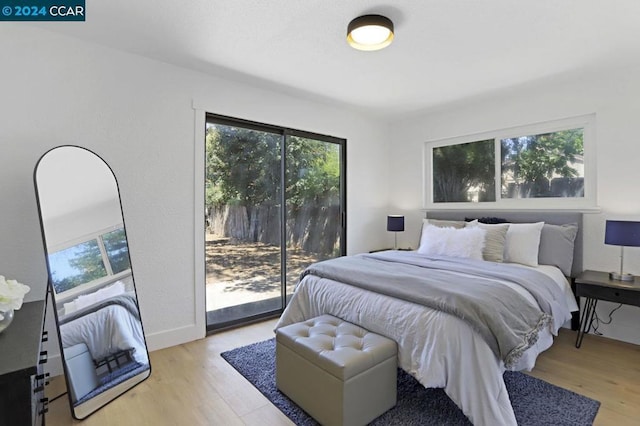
x=612 y=95
x=137 y=114
x=82 y=224
x=77 y=196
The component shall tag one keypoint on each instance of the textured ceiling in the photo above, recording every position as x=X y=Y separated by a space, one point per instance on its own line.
x=444 y=50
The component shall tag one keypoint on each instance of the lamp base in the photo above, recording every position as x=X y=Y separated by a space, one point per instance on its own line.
x=620 y=277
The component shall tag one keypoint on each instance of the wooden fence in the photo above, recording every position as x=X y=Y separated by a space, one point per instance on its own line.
x=313 y=227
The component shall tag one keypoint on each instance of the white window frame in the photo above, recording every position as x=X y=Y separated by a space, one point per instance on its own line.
x=97 y=283
x=589 y=201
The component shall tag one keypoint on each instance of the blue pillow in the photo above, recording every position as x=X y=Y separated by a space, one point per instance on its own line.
x=488 y=220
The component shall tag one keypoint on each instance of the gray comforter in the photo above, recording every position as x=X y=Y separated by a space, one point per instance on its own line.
x=507 y=322
x=127 y=301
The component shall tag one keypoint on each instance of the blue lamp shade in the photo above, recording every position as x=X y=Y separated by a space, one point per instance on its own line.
x=622 y=233
x=395 y=223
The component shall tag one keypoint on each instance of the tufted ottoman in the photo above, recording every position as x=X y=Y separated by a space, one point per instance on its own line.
x=339 y=373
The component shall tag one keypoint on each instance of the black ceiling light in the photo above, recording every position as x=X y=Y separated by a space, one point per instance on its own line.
x=370 y=32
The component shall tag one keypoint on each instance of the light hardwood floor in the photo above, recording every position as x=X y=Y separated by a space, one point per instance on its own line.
x=191 y=384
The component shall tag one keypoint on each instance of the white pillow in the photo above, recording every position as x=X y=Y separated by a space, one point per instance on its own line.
x=465 y=242
x=85 y=300
x=523 y=243
x=70 y=307
x=444 y=223
x=114 y=289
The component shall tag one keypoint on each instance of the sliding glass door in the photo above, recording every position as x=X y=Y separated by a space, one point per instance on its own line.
x=255 y=249
x=314 y=203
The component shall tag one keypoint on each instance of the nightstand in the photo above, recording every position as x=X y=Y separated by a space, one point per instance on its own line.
x=596 y=285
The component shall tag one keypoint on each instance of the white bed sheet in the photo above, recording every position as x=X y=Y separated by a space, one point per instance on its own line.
x=438 y=349
x=106 y=331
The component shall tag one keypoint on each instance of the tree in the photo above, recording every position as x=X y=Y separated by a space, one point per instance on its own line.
x=313 y=171
x=459 y=168
x=115 y=244
x=85 y=259
x=243 y=168
x=537 y=159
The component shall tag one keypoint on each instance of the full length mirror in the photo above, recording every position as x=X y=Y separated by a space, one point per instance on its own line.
x=91 y=282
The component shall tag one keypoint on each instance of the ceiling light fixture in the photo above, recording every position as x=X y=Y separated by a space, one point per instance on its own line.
x=370 y=32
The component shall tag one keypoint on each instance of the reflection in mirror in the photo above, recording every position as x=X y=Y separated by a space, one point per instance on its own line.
x=103 y=348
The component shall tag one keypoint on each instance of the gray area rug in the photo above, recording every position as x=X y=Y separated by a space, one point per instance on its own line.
x=534 y=401
x=115 y=377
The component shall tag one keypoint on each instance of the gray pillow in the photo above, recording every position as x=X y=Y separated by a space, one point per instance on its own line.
x=556 y=246
x=493 y=241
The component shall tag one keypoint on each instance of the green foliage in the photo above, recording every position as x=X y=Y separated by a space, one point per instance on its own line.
x=313 y=171
x=529 y=161
x=86 y=260
x=537 y=157
x=115 y=243
x=458 y=168
x=243 y=167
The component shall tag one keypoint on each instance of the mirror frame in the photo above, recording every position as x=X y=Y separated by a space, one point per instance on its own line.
x=85 y=409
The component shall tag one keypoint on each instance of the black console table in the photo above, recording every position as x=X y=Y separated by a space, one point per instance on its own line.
x=22 y=380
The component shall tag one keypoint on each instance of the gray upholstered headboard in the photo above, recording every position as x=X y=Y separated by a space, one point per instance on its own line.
x=551 y=217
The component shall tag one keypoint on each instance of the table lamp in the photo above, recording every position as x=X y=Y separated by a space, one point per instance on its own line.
x=395 y=223
x=622 y=233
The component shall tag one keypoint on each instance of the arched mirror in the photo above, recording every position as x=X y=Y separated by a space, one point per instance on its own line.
x=102 y=342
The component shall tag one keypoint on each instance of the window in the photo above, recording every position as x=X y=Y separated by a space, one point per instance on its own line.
x=117 y=251
x=545 y=165
x=548 y=165
x=92 y=261
x=464 y=172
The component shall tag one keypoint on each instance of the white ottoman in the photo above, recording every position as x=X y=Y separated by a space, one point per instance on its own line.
x=339 y=373
x=81 y=372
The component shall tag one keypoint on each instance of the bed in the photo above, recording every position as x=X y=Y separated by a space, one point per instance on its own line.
x=109 y=327
x=440 y=345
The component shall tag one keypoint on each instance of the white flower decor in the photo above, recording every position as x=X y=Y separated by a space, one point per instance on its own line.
x=11 y=295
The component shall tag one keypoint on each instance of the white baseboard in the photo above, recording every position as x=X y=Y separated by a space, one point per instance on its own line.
x=173 y=337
